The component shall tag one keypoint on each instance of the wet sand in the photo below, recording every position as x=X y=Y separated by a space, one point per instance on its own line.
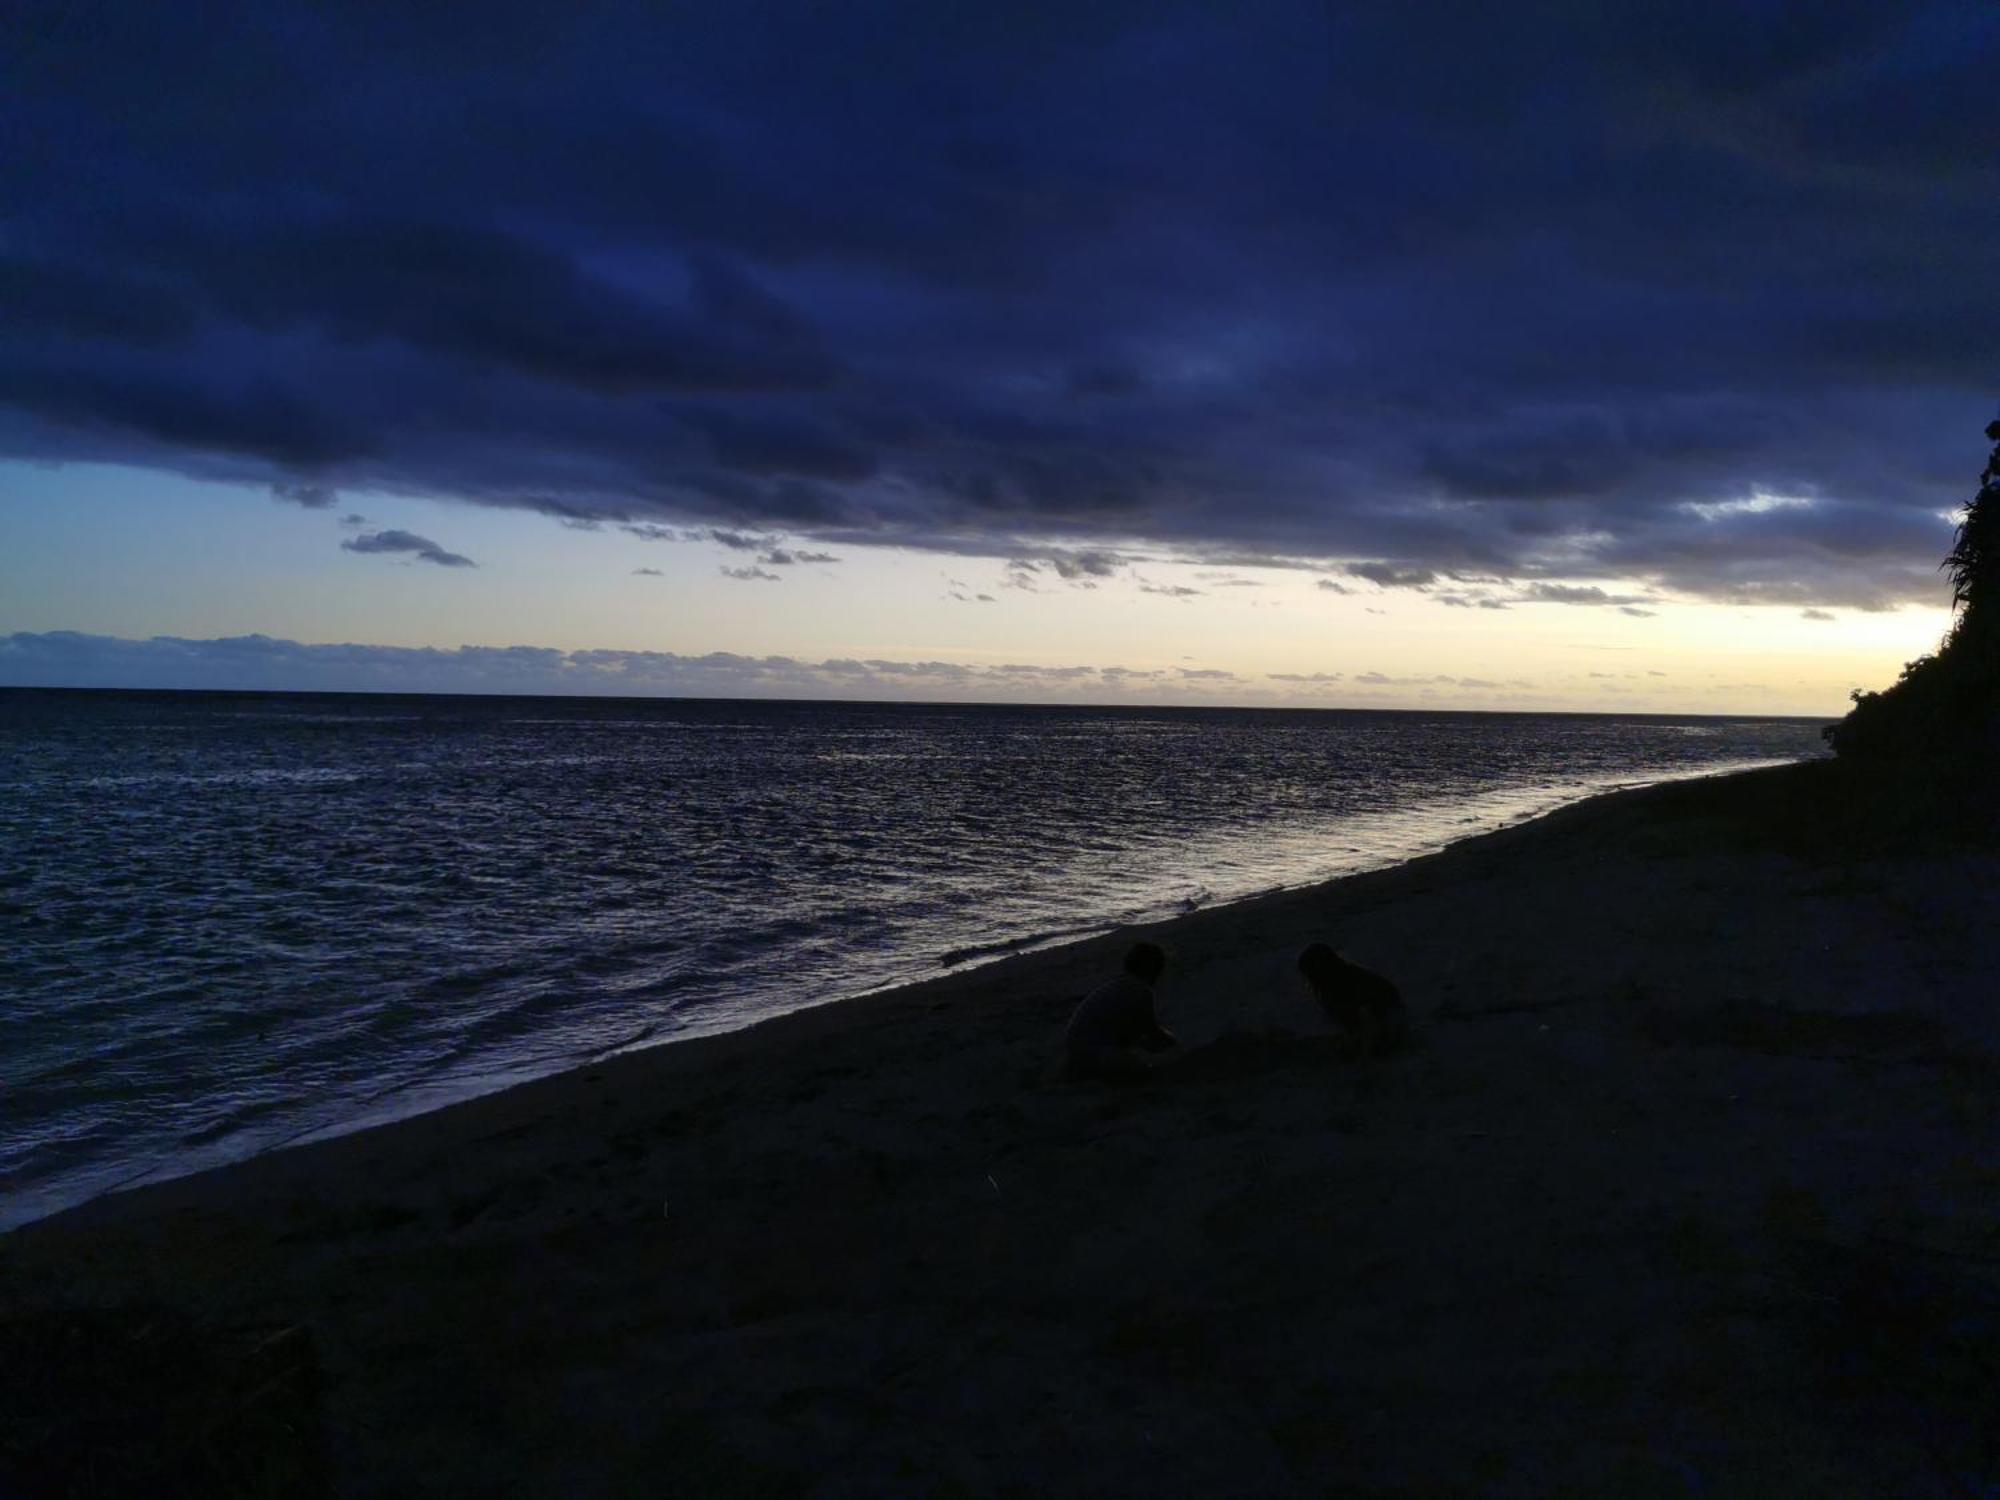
x=1689 y=1189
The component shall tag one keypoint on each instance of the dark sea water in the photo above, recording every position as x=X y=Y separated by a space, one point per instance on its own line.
x=232 y=920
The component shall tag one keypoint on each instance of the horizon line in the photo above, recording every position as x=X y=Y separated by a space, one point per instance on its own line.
x=1272 y=708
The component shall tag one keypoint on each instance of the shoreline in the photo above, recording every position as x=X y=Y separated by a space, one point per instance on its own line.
x=445 y=1094
x=1694 y=1097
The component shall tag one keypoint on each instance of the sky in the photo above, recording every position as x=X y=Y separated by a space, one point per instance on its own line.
x=1558 y=356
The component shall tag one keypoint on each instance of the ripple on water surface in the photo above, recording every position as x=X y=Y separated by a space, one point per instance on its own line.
x=232 y=920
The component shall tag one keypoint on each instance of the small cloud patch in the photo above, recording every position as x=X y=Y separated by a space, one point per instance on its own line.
x=785 y=557
x=965 y=594
x=1585 y=593
x=1389 y=576
x=420 y=548
x=311 y=496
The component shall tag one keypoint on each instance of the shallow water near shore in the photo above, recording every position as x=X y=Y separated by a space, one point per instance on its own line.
x=234 y=920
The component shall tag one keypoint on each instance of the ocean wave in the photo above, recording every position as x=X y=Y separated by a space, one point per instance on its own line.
x=208 y=961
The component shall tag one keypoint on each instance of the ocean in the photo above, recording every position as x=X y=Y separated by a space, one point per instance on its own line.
x=236 y=920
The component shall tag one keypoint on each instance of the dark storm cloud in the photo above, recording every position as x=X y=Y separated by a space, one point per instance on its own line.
x=1537 y=295
x=779 y=445
x=488 y=297
x=74 y=302
x=255 y=417
x=420 y=547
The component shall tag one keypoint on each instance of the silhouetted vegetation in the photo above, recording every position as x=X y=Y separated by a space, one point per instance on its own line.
x=1945 y=708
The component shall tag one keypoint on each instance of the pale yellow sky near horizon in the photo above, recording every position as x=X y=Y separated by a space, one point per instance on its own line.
x=127 y=553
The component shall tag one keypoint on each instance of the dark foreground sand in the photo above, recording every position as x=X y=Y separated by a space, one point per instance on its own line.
x=1692 y=1190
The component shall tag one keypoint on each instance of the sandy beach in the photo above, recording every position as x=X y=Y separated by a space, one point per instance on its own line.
x=1689 y=1189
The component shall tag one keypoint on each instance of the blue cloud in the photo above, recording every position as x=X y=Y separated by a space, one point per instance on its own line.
x=420 y=547
x=1448 y=288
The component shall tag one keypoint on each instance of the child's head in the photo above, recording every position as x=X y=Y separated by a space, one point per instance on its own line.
x=1320 y=965
x=1147 y=961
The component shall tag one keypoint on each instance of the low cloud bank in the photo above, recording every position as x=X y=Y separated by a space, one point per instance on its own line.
x=70 y=659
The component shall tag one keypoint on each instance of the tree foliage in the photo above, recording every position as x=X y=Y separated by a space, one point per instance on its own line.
x=1975 y=553
x=1946 y=706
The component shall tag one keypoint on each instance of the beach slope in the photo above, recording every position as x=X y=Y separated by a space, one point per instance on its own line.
x=1688 y=1189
